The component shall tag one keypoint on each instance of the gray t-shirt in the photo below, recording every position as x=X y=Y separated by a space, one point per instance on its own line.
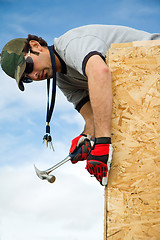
x=76 y=46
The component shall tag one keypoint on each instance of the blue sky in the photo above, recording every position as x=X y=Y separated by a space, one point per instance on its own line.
x=41 y=210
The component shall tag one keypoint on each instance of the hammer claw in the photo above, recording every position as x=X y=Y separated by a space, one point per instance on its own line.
x=45 y=174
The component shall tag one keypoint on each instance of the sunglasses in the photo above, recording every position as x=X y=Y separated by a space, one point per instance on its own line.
x=28 y=69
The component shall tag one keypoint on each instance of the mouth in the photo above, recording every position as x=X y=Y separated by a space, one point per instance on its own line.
x=43 y=75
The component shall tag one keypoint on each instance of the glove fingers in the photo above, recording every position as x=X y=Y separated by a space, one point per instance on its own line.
x=80 y=148
x=83 y=139
x=77 y=158
x=98 y=170
x=83 y=153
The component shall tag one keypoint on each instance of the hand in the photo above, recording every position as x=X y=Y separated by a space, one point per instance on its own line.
x=99 y=160
x=80 y=148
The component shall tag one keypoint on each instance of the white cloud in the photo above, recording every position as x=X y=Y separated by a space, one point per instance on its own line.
x=34 y=96
x=72 y=117
x=70 y=208
x=27 y=109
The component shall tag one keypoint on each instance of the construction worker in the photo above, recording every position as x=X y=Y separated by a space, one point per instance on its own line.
x=76 y=62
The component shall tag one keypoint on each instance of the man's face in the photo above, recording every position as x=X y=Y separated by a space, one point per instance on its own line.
x=42 y=64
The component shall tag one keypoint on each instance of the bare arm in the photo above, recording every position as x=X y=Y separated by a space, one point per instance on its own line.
x=87 y=114
x=100 y=92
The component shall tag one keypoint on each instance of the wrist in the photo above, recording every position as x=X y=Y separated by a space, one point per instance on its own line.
x=103 y=140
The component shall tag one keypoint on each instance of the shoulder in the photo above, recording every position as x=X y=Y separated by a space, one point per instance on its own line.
x=81 y=32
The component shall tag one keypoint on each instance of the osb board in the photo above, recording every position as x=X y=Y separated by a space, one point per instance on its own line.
x=133 y=192
x=136 y=44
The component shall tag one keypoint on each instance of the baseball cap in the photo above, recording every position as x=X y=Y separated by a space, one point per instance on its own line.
x=12 y=60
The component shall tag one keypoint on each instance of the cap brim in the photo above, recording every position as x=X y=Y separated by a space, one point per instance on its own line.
x=19 y=73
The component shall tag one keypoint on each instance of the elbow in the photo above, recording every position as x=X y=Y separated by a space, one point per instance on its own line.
x=105 y=70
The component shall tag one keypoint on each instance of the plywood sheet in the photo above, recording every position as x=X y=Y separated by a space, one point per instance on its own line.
x=133 y=192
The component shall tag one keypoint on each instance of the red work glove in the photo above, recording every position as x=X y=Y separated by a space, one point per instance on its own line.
x=99 y=159
x=82 y=146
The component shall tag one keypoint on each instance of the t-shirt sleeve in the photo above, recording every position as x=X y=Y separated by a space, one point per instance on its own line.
x=80 y=49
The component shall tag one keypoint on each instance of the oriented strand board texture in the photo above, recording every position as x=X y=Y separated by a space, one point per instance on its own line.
x=133 y=192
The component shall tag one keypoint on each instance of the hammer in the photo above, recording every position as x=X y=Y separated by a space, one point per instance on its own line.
x=46 y=173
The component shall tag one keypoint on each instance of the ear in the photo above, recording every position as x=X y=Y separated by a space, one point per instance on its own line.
x=35 y=46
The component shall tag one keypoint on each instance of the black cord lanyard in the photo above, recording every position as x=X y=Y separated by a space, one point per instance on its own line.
x=50 y=105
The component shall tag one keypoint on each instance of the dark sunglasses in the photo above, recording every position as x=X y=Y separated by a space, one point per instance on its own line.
x=29 y=64
x=26 y=80
x=28 y=69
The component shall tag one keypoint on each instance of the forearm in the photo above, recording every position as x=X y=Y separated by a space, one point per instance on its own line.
x=87 y=114
x=101 y=103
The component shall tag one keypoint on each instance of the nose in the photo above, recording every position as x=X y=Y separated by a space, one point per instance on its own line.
x=34 y=75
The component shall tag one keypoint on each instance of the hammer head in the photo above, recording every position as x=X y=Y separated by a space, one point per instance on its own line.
x=44 y=175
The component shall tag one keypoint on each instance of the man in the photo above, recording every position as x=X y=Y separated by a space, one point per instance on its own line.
x=78 y=58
